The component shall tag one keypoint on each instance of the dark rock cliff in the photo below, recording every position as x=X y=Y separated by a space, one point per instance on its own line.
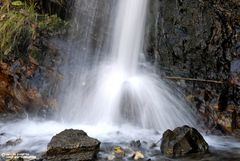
x=197 y=38
x=200 y=40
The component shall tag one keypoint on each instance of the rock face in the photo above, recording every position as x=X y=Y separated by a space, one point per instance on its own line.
x=72 y=145
x=28 y=87
x=28 y=66
x=182 y=141
x=199 y=39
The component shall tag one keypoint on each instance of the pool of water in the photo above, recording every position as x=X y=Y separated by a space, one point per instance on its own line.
x=36 y=134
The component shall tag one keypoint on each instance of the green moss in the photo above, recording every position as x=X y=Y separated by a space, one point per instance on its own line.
x=52 y=24
x=21 y=25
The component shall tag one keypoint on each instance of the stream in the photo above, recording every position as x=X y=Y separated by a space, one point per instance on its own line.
x=36 y=134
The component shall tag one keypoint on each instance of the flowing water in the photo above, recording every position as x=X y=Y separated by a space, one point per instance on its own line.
x=109 y=91
x=120 y=87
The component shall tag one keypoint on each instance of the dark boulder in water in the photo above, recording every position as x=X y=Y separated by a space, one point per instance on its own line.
x=72 y=145
x=182 y=141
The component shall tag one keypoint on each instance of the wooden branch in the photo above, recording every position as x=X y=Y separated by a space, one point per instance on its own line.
x=194 y=79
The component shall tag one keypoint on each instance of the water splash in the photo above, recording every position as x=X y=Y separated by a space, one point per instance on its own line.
x=114 y=97
x=36 y=134
x=120 y=88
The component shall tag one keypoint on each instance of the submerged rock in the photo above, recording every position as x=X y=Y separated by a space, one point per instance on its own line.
x=13 y=142
x=72 y=145
x=135 y=144
x=10 y=143
x=182 y=141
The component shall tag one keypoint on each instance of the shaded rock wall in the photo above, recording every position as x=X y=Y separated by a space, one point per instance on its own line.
x=27 y=86
x=199 y=39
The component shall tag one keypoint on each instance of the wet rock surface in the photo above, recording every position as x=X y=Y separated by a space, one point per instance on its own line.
x=72 y=145
x=200 y=40
x=154 y=154
x=197 y=39
x=182 y=141
x=27 y=85
x=128 y=150
x=125 y=151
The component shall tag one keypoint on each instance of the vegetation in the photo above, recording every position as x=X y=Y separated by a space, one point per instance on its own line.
x=21 y=25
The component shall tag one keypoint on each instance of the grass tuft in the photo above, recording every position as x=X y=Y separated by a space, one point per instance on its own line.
x=21 y=24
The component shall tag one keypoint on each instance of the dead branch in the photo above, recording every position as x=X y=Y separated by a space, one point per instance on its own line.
x=194 y=79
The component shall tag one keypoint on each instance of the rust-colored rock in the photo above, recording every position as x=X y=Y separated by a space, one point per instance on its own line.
x=19 y=89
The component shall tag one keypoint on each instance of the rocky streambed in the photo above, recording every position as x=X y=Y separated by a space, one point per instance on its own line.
x=30 y=139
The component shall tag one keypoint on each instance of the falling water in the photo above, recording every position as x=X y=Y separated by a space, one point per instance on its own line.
x=121 y=88
x=109 y=89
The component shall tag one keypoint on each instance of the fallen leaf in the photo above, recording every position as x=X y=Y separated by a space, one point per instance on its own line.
x=17 y=3
x=138 y=155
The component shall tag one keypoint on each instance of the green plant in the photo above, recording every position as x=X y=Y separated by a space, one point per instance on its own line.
x=15 y=28
x=17 y=3
x=20 y=24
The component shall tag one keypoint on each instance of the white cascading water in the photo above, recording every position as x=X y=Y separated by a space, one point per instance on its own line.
x=125 y=91
x=114 y=97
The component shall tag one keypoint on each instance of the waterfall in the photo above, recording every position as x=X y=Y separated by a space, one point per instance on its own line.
x=111 y=82
x=109 y=89
x=128 y=34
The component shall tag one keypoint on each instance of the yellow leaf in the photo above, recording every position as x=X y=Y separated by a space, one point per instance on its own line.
x=2 y=17
x=17 y=3
x=118 y=150
x=138 y=155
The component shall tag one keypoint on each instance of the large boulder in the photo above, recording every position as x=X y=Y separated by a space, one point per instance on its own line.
x=72 y=145
x=182 y=141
